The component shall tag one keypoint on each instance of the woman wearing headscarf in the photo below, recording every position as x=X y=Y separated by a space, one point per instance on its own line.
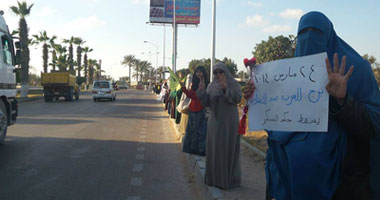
x=178 y=95
x=185 y=116
x=195 y=136
x=336 y=164
x=164 y=87
x=223 y=141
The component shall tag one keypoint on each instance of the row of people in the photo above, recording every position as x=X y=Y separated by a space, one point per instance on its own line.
x=341 y=163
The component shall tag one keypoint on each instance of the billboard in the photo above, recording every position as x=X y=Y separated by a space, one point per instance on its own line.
x=187 y=11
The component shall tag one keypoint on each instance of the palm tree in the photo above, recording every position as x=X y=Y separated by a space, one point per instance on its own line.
x=160 y=71
x=71 y=54
x=79 y=42
x=149 y=71
x=62 y=61
x=53 y=52
x=128 y=60
x=85 y=62
x=91 y=64
x=137 y=67
x=23 y=10
x=99 y=70
x=14 y=33
x=153 y=74
x=43 y=39
x=144 y=68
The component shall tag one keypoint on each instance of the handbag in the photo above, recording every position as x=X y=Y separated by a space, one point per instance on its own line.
x=183 y=106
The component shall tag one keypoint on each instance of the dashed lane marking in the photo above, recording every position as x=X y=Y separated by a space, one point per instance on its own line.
x=138 y=167
x=140 y=157
x=136 y=181
x=140 y=148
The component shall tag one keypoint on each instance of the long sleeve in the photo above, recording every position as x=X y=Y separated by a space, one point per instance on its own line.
x=189 y=93
x=232 y=96
x=353 y=116
x=203 y=97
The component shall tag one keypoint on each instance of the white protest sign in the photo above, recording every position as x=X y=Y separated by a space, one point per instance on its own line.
x=290 y=95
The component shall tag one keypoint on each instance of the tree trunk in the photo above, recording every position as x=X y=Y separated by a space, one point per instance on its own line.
x=129 y=75
x=71 y=60
x=23 y=27
x=90 y=74
x=54 y=59
x=45 y=57
x=85 y=67
x=79 y=60
x=100 y=69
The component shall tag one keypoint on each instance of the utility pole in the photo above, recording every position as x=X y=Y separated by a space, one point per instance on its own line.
x=213 y=39
x=163 y=52
x=174 y=39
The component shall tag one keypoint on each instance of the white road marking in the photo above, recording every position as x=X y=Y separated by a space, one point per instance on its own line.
x=142 y=136
x=140 y=157
x=138 y=167
x=141 y=149
x=136 y=181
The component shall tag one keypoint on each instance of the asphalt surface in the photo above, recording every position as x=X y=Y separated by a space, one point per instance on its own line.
x=124 y=149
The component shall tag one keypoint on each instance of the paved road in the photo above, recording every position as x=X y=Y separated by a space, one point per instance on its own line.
x=95 y=150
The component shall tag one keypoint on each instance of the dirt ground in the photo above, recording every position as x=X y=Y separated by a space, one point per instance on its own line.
x=257 y=139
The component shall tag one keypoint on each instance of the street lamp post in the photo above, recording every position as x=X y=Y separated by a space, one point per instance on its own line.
x=156 y=53
x=213 y=38
x=175 y=32
x=163 y=52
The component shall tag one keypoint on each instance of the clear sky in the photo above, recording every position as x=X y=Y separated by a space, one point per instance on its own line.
x=114 y=28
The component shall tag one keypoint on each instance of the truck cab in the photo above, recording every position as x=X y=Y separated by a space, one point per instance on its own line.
x=8 y=61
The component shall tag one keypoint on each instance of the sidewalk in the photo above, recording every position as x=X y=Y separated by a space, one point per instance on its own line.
x=253 y=173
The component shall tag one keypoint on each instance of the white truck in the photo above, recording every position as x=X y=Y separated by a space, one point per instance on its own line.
x=8 y=60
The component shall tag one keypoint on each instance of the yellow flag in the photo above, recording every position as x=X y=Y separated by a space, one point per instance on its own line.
x=174 y=75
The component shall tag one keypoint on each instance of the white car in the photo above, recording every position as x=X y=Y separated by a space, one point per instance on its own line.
x=103 y=89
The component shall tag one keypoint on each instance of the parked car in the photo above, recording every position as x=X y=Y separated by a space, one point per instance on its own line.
x=103 y=89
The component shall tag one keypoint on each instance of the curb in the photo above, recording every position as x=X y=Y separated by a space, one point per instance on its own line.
x=180 y=136
x=253 y=148
x=23 y=100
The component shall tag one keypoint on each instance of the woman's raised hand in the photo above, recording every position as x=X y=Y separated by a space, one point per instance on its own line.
x=337 y=85
x=202 y=83
x=223 y=81
x=248 y=89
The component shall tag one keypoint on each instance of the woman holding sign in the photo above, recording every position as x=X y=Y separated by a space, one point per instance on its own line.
x=223 y=141
x=195 y=136
x=340 y=163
